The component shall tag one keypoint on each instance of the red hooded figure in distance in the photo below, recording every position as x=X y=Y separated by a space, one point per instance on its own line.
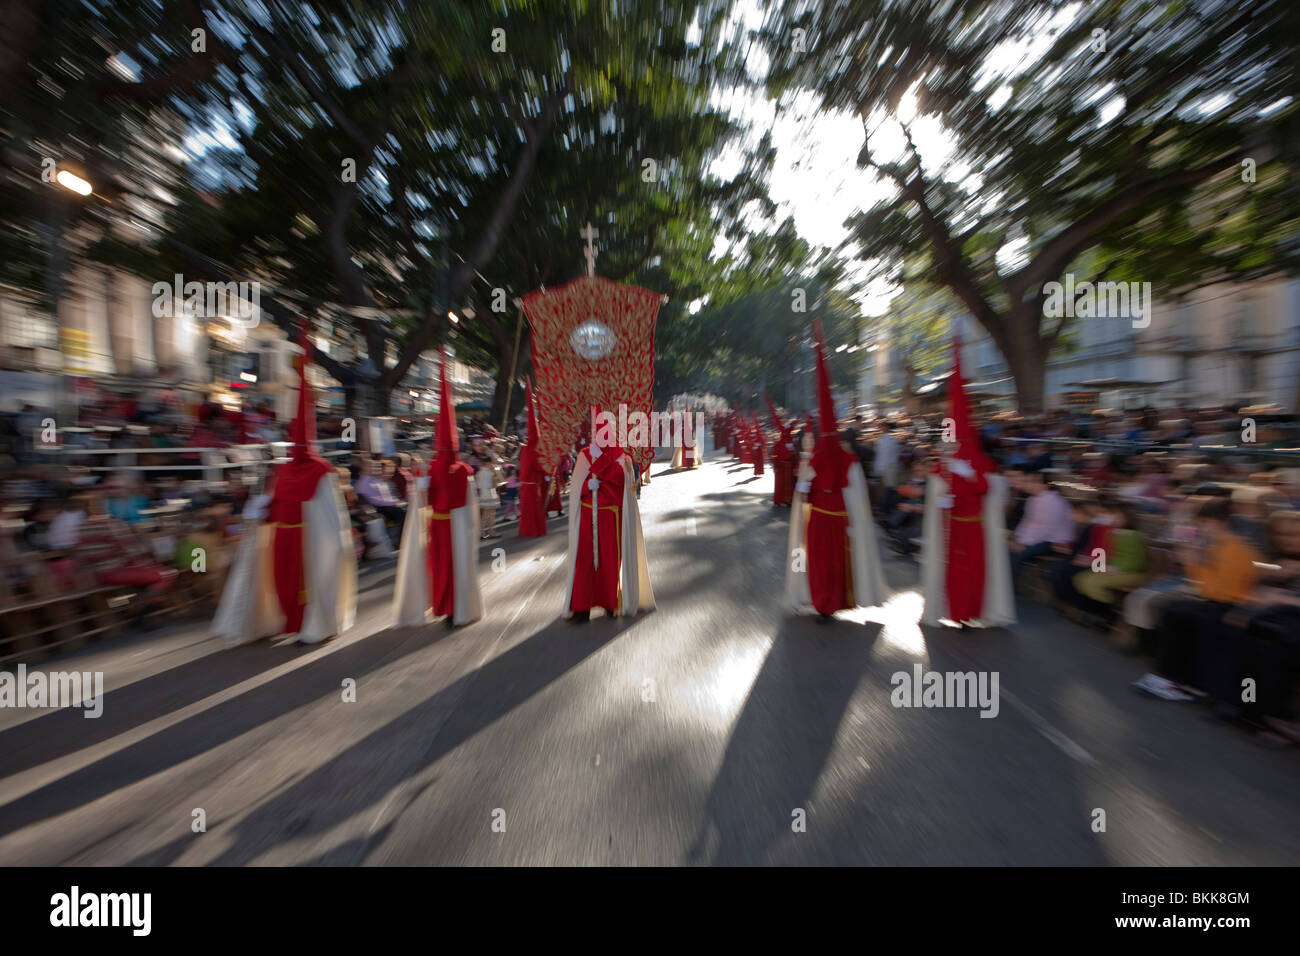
x=532 y=479
x=437 y=568
x=834 y=559
x=295 y=572
x=784 y=458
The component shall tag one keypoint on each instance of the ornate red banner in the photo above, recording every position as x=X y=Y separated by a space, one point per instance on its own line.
x=593 y=344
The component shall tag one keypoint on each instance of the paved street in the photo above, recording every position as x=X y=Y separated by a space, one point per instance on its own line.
x=688 y=736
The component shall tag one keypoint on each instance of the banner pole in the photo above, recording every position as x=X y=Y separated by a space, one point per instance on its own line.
x=514 y=364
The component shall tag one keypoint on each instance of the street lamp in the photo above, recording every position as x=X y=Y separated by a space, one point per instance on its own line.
x=70 y=180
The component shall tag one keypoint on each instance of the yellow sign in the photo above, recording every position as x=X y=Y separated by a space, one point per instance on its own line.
x=77 y=354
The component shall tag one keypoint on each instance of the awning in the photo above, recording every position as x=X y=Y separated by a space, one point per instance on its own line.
x=1115 y=384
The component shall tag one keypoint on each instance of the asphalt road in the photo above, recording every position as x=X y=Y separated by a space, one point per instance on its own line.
x=716 y=730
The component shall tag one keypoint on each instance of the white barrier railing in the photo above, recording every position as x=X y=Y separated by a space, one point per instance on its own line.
x=214 y=462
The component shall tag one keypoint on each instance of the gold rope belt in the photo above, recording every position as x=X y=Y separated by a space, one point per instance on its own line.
x=837 y=514
x=441 y=515
x=955 y=518
x=587 y=504
x=281 y=524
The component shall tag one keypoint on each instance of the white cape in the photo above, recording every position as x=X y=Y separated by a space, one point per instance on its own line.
x=869 y=588
x=999 y=599
x=634 y=583
x=411 y=601
x=249 y=609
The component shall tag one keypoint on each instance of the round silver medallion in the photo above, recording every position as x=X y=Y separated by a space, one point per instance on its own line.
x=593 y=340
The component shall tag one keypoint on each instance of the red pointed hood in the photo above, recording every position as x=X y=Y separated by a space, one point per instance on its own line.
x=829 y=457
x=776 y=417
x=970 y=447
x=446 y=445
x=302 y=430
x=296 y=480
x=825 y=401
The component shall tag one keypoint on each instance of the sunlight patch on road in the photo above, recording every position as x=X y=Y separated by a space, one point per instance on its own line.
x=899 y=618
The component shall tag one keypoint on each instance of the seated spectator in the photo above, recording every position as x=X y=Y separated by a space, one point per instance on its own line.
x=1222 y=566
x=1097 y=470
x=1250 y=511
x=1123 y=567
x=1092 y=520
x=903 y=521
x=127 y=559
x=1150 y=488
x=124 y=499
x=204 y=549
x=376 y=490
x=1047 y=527
x=1266 y=652
x=398 y=471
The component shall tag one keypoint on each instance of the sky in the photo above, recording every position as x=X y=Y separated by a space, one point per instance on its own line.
x=816 y=179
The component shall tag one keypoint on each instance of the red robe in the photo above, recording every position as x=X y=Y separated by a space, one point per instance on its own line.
x=756 y=451
x=784 y=458
x=964 y=575
x=830 y=570
x=292 y=486
x=553 y=500
x=448 y=490
x=599 y=587
x=532 y=494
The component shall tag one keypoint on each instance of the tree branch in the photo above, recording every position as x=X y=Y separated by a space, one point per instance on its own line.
x=1056 y=253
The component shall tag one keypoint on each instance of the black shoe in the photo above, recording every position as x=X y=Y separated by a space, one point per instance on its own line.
x=581 y=617
x=609 y=611
x=823 y=618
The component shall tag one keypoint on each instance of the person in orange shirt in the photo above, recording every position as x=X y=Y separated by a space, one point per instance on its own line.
x=1224 y=570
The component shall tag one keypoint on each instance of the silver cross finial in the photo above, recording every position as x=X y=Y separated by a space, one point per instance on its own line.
x=589 y=233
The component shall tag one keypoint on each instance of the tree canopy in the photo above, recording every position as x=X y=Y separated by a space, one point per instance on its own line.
x=1106 y=139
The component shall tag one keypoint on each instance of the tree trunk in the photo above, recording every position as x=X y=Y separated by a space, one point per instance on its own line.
x=378 y=398
x=499 y=396
x=1026 y=357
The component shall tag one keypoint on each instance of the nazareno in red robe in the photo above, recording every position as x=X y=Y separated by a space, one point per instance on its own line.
x=292 y=486
x=599 y=587
x=826 y=537
x=964 y=575
x=756 y=451
x=783 y=464
x=448 y=490
x=554 y=501
x=532 y=494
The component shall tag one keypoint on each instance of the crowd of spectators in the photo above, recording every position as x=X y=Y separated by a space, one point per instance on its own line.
x=1164 y=528
x=136 y=520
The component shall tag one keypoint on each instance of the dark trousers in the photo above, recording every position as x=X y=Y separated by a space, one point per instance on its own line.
x=1020 y=558
x=395 y=514
x=1267 y=651
x=1193 y=644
